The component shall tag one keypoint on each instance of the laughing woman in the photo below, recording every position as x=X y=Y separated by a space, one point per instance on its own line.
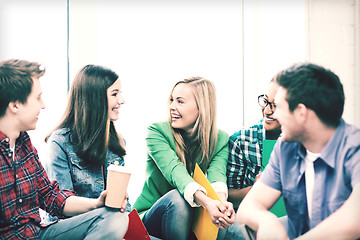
x=174 y=147
x=85 y=142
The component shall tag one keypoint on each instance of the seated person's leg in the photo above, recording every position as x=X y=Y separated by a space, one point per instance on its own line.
x=101 y=223
x=240 y=231
x=235 y=231
x=170 y=217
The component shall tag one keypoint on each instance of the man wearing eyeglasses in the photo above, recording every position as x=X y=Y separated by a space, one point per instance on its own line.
x=245 y=148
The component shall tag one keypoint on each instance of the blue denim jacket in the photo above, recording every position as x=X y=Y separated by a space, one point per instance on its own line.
x=64 y=166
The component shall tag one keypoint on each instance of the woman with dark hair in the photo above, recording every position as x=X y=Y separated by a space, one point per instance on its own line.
x=85 y=141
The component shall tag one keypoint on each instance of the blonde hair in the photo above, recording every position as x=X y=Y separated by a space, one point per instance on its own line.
x=202 y=140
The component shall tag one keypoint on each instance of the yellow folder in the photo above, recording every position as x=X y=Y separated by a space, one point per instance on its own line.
x=203 y=227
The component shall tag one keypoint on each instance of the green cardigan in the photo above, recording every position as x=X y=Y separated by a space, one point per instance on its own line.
x=166 y=172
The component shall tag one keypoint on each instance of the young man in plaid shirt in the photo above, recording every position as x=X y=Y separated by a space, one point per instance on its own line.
x=24 y=185
x=245 y=148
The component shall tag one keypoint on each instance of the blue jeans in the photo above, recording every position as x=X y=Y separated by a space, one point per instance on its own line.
x=235 y=231
x=170 y=217
x=239 y=231
x=101 y=223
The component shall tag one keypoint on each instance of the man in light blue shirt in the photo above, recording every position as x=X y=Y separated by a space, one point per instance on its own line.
x=315 y=164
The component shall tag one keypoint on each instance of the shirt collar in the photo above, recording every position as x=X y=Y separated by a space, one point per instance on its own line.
x=3 y=139
x=328 y=153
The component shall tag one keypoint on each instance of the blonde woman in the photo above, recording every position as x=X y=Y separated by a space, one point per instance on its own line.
x=174 y=147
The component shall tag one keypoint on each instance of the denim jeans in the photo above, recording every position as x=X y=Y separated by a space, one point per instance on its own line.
x=235 y=231
x=239 y=231
x=101 y=223
x=170 y=217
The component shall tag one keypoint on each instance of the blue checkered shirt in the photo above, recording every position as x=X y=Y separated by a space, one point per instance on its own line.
x=245 y=154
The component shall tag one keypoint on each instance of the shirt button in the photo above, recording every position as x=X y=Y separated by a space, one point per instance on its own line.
x=9 y=154
x=116 y=162
x=20 y=200
x=6 y=139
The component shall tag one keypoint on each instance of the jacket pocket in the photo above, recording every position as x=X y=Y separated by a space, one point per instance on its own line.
x=80 y=172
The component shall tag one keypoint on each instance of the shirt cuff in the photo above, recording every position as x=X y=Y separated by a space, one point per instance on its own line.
x=189 y=192
x=220 y=187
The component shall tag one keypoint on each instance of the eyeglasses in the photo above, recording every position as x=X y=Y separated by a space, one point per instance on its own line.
x=263 y=102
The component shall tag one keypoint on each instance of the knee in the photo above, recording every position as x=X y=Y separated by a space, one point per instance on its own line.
x=117 y=223
x=178 y=205
x=235 y=231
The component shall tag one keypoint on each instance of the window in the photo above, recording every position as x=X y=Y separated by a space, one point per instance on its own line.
x=239 y=45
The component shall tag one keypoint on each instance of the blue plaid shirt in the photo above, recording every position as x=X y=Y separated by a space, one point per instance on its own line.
x=245 y=155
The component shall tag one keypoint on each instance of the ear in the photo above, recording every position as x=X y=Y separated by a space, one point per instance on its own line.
x=13 y=106
x=301 y=113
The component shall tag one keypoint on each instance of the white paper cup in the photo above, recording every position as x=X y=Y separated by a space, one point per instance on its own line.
x=117 y=182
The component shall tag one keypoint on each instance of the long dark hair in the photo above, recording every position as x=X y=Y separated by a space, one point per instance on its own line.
x=86 y=116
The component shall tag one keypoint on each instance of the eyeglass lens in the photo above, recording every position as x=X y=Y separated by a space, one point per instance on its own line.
x=263 y=102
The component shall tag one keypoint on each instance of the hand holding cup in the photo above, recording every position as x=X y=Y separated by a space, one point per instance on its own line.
x=117 y=182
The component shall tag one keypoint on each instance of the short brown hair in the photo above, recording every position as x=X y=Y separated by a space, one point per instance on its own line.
x=16 y=81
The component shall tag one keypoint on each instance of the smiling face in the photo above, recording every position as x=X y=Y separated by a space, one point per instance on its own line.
x=29 y=111
x=291 y=129
x=270 y=123
x=115 y=100
x=183 y=108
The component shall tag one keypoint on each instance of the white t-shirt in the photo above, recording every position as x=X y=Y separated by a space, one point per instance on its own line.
x=13 y=154
x=310 y=178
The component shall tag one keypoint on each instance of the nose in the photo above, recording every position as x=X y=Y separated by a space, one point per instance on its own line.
x=121 y=100
x=268 y=110
x=172 y=105
x=43 y=106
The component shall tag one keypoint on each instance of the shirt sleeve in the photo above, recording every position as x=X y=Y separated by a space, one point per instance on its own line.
x=161 y=149
x=353 y=165
x=235 y=164
x=51 y=198
x=191 y=188
x=189 y=192
x=216 y=171
x=220 y=187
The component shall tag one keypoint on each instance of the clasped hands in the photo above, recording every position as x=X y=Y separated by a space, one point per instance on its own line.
x=222 y=213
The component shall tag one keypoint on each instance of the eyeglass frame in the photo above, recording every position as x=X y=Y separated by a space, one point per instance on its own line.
x=264 y=97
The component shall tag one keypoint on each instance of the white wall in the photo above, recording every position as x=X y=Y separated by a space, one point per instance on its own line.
x=333 y=30
x=274 y=38
x=237 y=44
x=154 y=44
x=36 y=30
